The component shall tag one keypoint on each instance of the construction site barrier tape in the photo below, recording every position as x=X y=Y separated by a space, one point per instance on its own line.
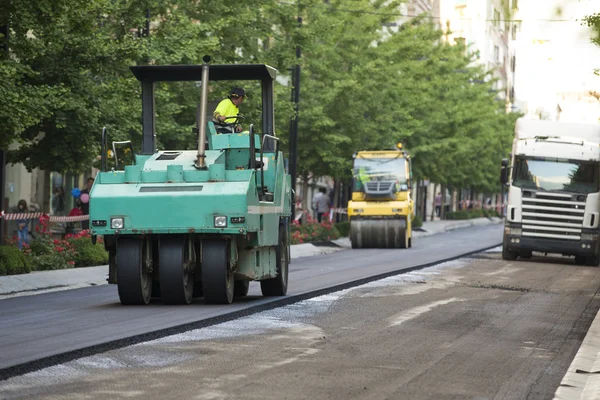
x=51 y=218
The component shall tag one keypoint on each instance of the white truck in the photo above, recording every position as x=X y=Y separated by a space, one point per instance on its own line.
x=553 y=191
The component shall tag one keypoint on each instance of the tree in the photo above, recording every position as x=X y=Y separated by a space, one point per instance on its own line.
x=593 y=21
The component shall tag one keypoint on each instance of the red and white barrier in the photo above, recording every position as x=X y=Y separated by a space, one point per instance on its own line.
x=51 y=218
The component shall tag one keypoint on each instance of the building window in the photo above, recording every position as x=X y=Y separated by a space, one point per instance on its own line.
x=496 y=18
x=513 y=64
x=514 y=31
x=497 y=54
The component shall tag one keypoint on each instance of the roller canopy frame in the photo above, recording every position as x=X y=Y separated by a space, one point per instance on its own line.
x=149 y=74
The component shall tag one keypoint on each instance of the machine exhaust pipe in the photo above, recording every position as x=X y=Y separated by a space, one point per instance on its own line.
x=201 y=118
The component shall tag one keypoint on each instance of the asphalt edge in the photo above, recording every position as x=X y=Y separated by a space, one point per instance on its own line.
x=32 y=366
x=582 y=379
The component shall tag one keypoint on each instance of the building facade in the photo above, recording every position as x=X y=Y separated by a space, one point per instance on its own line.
x=555 y=72
x=488 y=28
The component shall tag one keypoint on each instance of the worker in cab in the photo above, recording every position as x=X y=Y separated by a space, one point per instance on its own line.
x=363 y=177
x=226 y=115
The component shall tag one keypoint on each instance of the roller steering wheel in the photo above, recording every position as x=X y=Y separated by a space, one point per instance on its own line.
x=237 y=118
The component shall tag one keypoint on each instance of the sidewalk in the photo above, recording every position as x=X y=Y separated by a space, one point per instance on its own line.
x=48 y=281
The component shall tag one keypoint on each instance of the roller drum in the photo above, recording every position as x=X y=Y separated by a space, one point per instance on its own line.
x=378 y=233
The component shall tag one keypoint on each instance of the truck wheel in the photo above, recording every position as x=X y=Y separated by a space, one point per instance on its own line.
x=580 y=260
x=176 y=270
x=134 y=275
x=593 y=261
x=507 y=254
x=278 y=286
x=240 y=289
x=217 y=278
x=526 y=254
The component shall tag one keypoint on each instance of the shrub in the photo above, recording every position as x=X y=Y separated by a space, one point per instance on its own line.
x=46 y=253
x=343 y=228
x=88 y=254
x=312 y=231
x=458 y=215
x=417 y=222
x=491 y=213
x=13 y=261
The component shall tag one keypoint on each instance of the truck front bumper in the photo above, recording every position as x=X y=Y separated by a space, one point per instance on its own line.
x=565 y=247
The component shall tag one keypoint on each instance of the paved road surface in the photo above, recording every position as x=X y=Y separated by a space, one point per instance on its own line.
x=50 y=324
x=475 y=328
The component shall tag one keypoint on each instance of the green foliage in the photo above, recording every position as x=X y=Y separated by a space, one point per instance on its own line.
x=417 y=221
x=88 y=254
x=313 y=231
x=13 y=261
x=364 y=87
x=45 y=253
x=593 y=21
x=343 y=228
x=472 y=213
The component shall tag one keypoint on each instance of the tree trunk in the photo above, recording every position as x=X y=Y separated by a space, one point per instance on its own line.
x=336 y=199
x=305 y=199
x=443 y=208
x=433 y=202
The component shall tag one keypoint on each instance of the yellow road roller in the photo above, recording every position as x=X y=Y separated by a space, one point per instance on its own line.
x=381 y=208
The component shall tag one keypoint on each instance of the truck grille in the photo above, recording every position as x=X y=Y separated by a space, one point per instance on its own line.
x=552 y=215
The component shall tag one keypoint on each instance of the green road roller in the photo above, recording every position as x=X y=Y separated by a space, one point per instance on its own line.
x=181 y=224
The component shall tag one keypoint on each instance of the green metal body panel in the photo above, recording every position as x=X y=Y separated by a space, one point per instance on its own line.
x=165 y=194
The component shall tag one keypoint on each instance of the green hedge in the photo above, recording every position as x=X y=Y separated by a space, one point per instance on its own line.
x=470 y=214
x=343 y=228
x=417 y=222
x=13 y=261
x=88 y=254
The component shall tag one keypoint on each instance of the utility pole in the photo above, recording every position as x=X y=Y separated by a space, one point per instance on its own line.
x=3 y=54
x=293 y=163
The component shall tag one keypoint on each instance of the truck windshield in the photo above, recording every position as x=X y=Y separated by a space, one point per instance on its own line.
x=549 y=174
x=379 y=169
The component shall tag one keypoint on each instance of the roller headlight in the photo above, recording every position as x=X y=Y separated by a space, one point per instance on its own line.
x=220 y=221
x=116 y=223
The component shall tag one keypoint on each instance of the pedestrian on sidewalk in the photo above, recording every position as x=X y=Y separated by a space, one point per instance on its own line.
x=22 y=225
x=438 y=204
x=321 y=203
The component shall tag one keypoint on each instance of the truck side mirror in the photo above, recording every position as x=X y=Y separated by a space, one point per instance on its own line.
x=504 y=171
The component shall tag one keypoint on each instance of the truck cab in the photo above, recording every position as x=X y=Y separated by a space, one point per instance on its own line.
x=553 y=181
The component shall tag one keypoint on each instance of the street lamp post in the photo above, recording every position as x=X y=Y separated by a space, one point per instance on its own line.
x=4 y=31
x=293 y=163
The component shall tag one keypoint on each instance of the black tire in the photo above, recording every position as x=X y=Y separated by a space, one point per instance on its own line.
x=507 y=254
x=580 y=260
x=240 y=288
x=176 y=270
x=217 y=279
x=593 y=261
x=278 y=286
x=134 y=282
x=526 y=254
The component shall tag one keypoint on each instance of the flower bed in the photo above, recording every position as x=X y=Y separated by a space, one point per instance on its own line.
x=45 y=253
x=313 y=231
